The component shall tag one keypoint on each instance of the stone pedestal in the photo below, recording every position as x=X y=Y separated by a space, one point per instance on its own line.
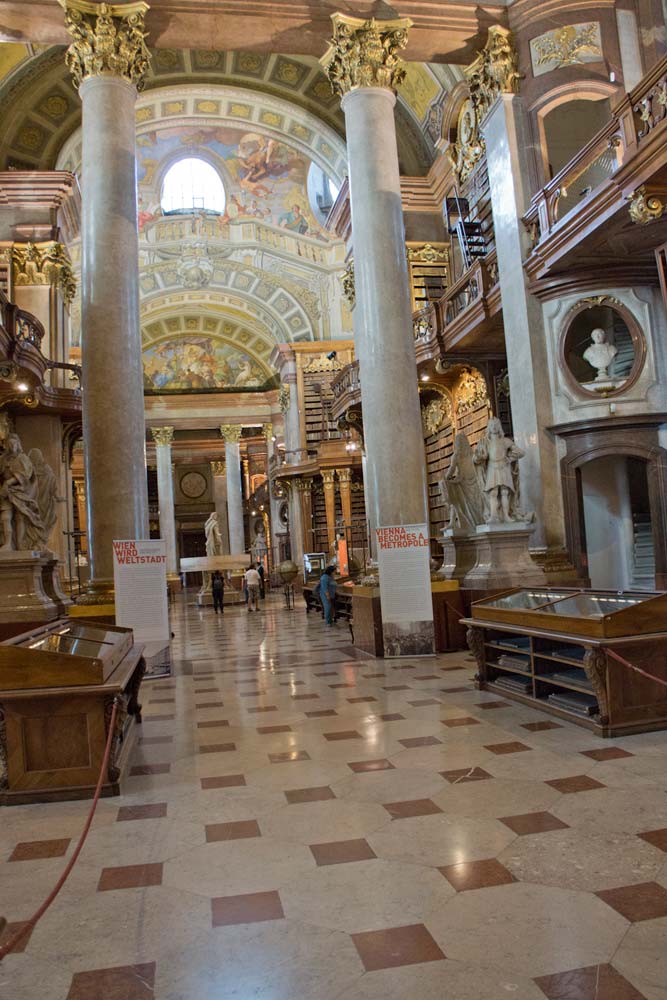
x=52 y=585
x=23 y=594
x=503 y=559
x=460 y=554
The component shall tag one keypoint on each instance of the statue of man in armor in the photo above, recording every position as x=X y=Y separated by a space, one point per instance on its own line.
x=497 y=457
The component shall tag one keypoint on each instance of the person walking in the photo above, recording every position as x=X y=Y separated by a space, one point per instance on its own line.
x=328 y=594
x=260 y=570
x=218 y=588
x=252 y=582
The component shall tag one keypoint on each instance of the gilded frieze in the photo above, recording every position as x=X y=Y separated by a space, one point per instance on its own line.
x=570 y=45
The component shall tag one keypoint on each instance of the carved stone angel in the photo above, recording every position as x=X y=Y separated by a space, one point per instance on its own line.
x=47 y=492
x=461 y=488
x=20 y=516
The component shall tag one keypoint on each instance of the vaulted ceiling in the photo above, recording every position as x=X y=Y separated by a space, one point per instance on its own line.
x=39 y=107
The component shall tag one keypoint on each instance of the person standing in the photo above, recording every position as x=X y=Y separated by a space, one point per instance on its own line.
x=328 y=594
x=252 y=582
x=260 y=570
x=218 y=588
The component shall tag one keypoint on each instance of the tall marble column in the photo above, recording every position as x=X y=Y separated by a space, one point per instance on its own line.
x=163 y=436
x=330 y=505
x=81 y=507
x=232 y=436
x=344 y=482
x=504 y=126
x=274 y=505
x=108 y=59
x=219 y=473
x=363 y=68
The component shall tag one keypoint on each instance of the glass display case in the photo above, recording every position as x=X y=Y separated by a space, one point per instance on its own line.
x=63 y=653
x=602 y=613
x=558 y=650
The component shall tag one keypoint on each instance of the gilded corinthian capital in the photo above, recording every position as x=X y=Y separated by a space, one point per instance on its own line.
x=363 y=53
x=107 y=40
x=231 y=433
x=162 y=435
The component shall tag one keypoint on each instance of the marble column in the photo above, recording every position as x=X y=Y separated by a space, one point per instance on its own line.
x=363 y=69
x=369 y=508
x=81 y=507
x=108 y=60
x=344 y=482
x=232 y=436
x=276 y=527
x=219 y=473
x=296 y=523
x=163 y=436
x=330 y=505
x=507 y=153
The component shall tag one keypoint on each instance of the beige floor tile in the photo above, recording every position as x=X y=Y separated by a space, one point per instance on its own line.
x=441 y=840
x=528 y=930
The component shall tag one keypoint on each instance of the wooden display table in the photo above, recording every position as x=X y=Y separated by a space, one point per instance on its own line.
x=57 y=689
x=550 y=650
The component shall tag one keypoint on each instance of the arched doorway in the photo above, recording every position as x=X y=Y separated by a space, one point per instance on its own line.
x=617 y=523
x=614 y=472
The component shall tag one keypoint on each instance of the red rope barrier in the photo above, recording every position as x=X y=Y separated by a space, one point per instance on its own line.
x=30 y=925
x=633 y=666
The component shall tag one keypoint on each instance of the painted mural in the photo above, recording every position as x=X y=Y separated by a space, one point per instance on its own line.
x=200 y=363
x=265 y=178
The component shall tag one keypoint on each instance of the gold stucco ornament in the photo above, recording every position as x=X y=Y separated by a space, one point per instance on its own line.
x=363 y=53
x=107 y=40
x=44 y=264
x=644 y=208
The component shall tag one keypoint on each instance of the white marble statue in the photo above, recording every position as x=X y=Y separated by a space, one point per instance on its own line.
x=47 y=491
x=461 y=490
x=259 y=546
x=213 y=536
x=497 y=458
x=20 y=517
x=600 y=354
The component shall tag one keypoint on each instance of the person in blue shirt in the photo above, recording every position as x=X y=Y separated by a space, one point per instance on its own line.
x=328 y=594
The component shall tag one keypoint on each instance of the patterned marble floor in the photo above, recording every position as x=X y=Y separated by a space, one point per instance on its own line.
x=304 y=823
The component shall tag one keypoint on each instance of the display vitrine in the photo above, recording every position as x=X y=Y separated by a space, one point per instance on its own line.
x=556 y=649
x=58 y=686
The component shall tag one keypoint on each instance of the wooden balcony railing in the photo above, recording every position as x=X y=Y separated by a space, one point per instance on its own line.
x=472 y=286
x=346 y=381
x=610 y=158
x=19 y=324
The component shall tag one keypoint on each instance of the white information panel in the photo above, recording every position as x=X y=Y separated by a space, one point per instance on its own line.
x=404 y=557
x=140 y=581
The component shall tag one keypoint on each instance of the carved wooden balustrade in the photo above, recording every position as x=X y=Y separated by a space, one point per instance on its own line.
x=470 y=304
x=346 y=388
x=24 y=370
x=627 y=153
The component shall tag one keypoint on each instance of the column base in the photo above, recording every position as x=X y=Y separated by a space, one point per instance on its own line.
x=98 y=592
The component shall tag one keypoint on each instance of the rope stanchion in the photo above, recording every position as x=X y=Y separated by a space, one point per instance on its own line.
x=633 y=666
x=31 y=924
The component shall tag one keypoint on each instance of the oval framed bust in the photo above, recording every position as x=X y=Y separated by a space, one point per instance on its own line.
x=602 y=348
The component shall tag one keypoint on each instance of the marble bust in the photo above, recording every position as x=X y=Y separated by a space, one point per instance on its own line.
x=600 y=354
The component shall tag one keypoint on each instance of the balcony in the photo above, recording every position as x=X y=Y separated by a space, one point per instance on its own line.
x=25 y=372
x=346 y=389
x=579 y=224
x=470 y=311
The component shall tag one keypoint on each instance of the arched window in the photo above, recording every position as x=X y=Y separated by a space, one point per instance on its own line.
x=322 y=192
x=192 y=185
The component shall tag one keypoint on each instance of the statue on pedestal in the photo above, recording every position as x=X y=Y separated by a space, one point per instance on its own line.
x=213 y=536
x=497 y=457
x=47 y=491
x=600 y=354
x=259 y=547
x=461 y=490
x=20 y=516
